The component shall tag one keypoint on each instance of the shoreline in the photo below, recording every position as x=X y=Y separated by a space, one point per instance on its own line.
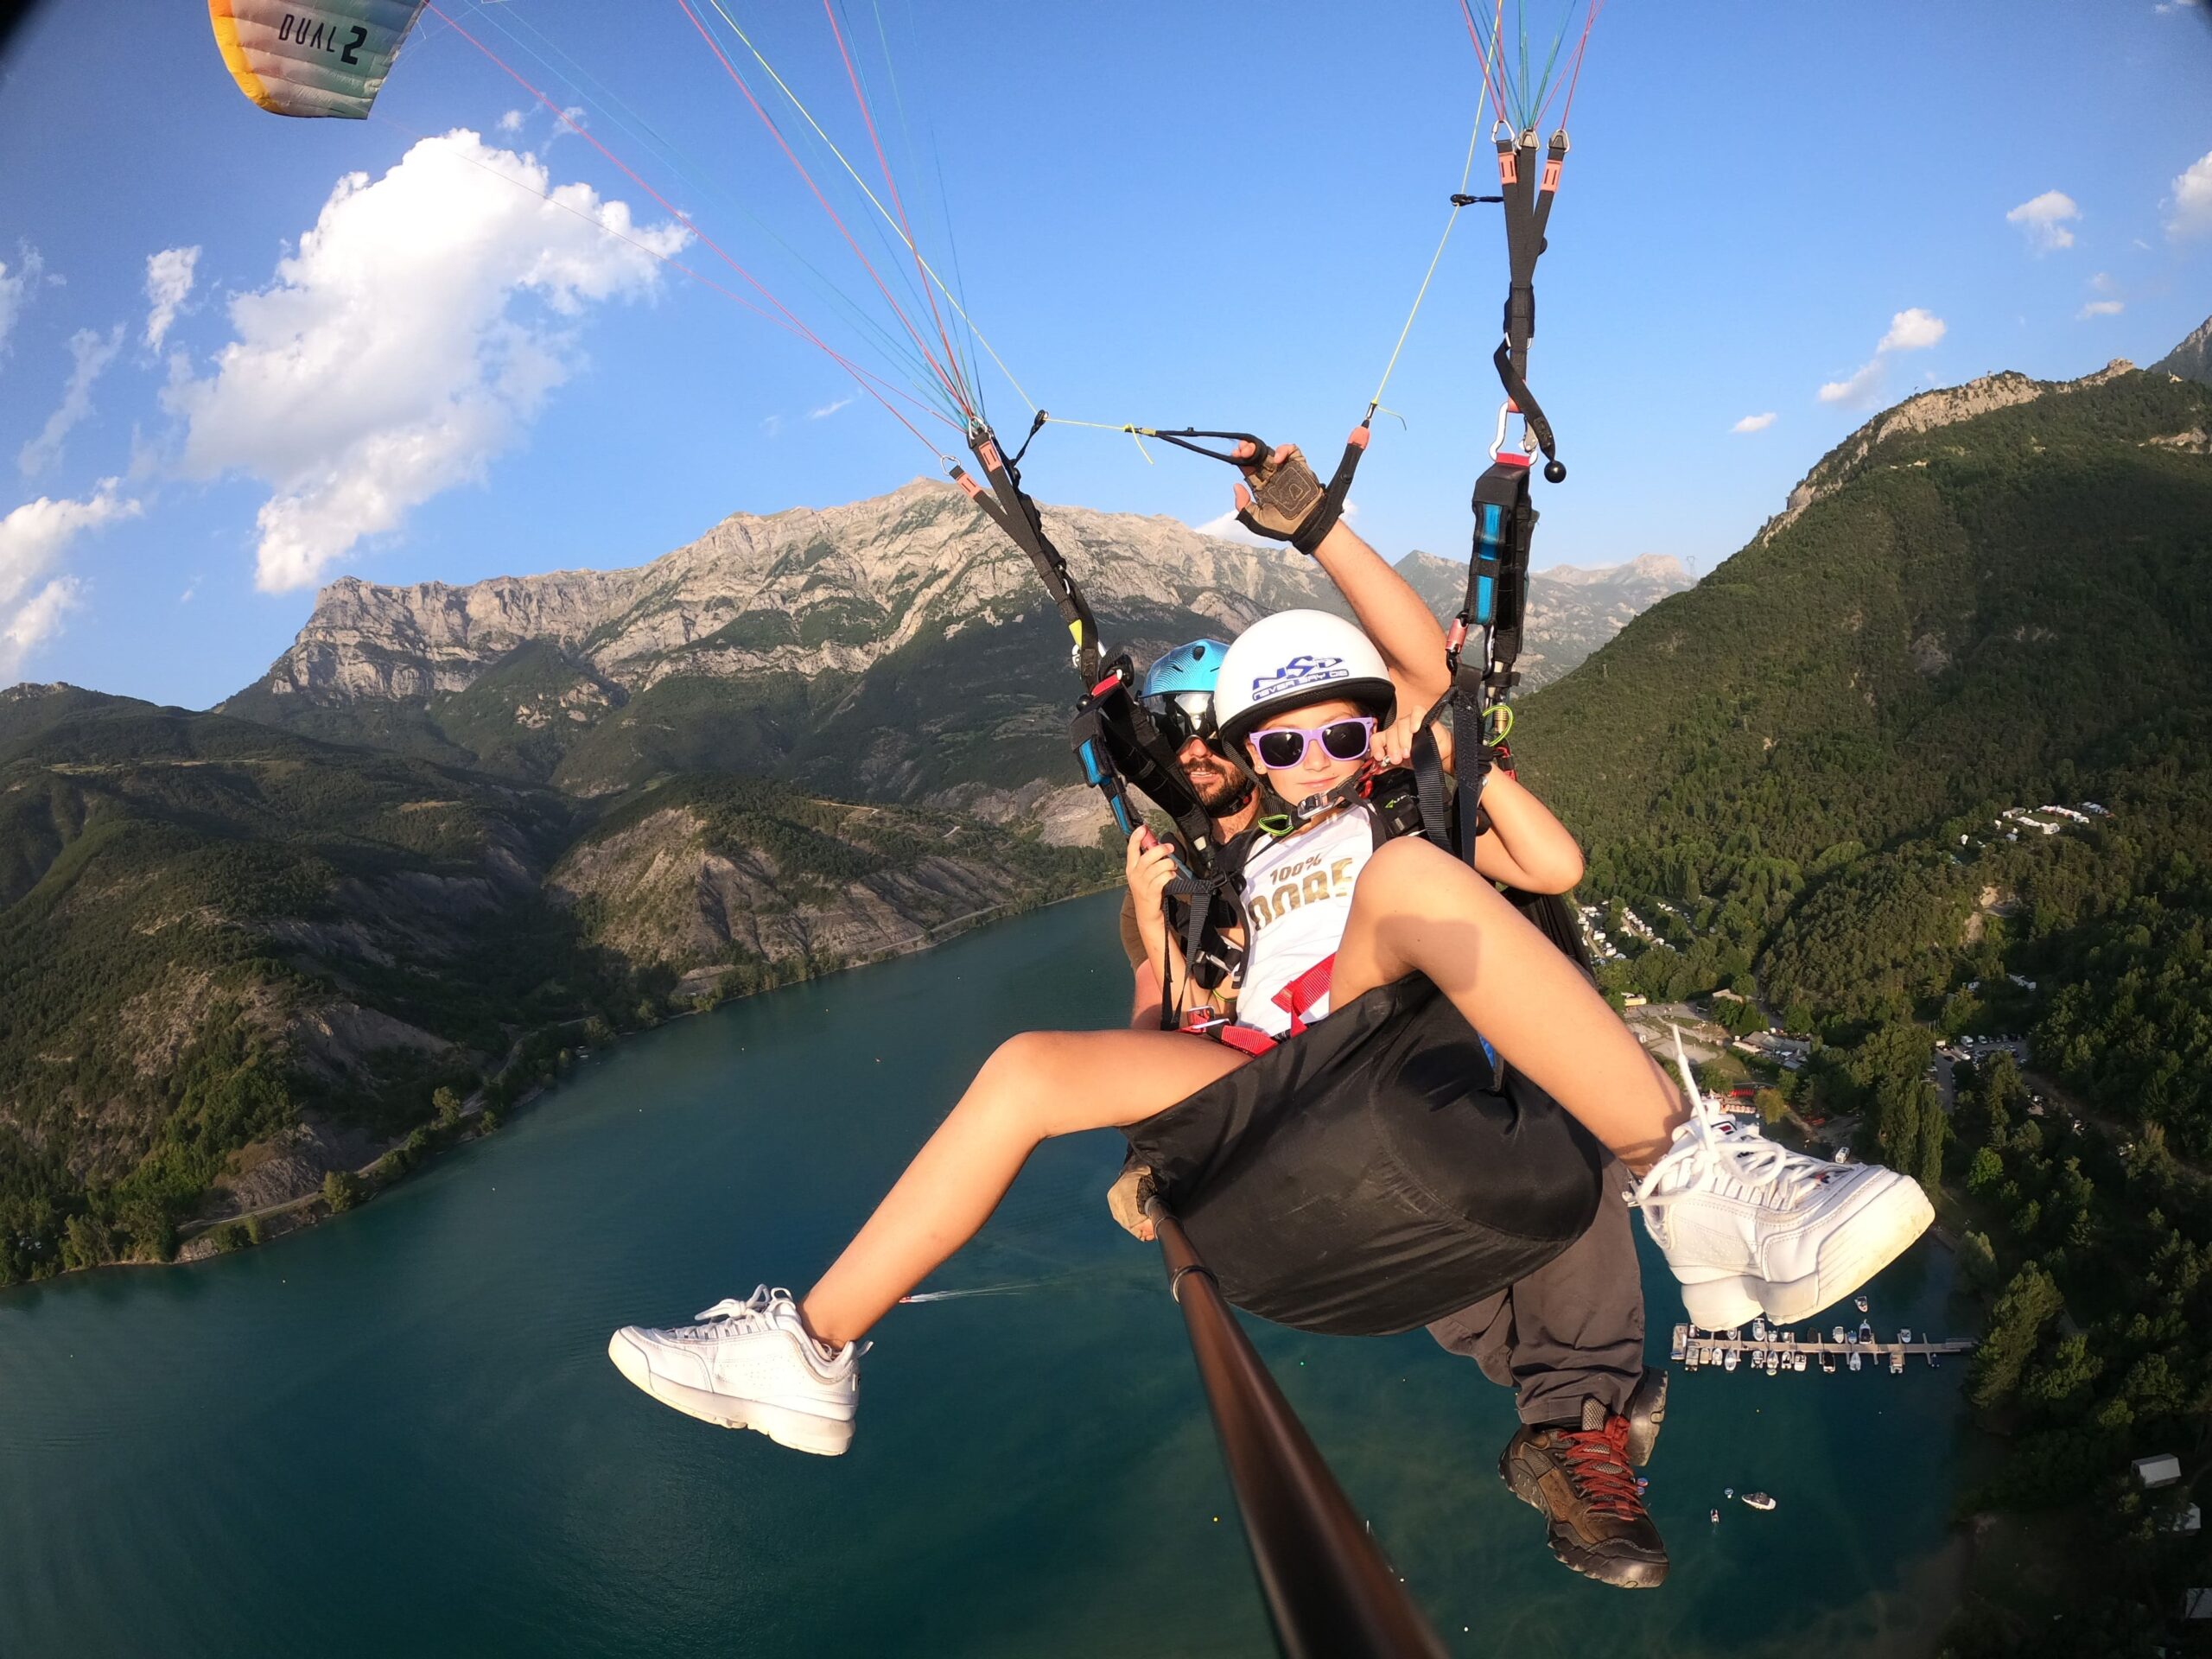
x=311 y=1210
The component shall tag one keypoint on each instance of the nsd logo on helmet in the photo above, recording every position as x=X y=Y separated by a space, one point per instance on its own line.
x=1297 y=673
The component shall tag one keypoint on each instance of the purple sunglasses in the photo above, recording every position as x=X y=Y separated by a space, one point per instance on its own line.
x=1281 y=747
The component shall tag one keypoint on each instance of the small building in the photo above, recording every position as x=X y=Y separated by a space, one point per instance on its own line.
x=1634 y=1000
x=2197 y=1603
x=2162 y=1470
x=2190 y=1520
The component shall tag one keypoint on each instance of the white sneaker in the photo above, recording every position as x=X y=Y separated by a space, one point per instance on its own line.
x=749 y=1364
x=1751 y=1227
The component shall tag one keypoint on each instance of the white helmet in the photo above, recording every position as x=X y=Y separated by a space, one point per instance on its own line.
x=1294 y=658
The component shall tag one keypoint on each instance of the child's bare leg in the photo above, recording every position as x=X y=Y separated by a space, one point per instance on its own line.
x=1418 y=910
x=1037 y=1085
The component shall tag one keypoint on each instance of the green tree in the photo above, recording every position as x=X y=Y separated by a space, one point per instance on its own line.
x=1935 y=1131
x=1986 y=1171
x=2061 y=1380
x=447 y=1105
x=1978 y=1260
x=341 y=1189
x=2026 y=1305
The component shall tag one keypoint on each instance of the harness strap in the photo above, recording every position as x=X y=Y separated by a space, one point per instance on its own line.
x=1298 y=998
x=1012 y=510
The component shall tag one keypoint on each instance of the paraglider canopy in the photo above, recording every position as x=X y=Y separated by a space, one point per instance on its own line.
x=325 y=59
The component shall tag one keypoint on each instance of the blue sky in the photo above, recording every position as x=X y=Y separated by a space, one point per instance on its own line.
x=1162 y=212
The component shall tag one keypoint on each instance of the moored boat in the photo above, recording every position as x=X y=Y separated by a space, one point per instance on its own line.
x=1758 y=1501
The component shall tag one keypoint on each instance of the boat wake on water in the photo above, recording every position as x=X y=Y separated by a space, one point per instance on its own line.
x=977 y=1290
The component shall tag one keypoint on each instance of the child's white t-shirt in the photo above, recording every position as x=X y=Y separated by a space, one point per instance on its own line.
x=1297 y=899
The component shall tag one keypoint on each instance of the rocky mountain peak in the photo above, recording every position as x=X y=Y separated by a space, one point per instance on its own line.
x=1924 y=412
x=2192 y=359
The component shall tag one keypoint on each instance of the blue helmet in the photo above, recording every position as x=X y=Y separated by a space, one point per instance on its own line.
x=1178 y=689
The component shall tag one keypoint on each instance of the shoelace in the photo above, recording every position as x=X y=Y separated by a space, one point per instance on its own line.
x=730 y=1317
x=746 y=1315
x=1597 y=1466
x=1752 y=1160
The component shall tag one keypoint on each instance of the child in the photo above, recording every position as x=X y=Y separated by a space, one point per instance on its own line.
x=1331 y=916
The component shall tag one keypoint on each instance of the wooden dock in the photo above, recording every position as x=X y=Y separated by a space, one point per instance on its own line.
x=1695 y=1349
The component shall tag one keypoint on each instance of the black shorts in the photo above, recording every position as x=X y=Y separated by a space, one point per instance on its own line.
x=1363 y=1177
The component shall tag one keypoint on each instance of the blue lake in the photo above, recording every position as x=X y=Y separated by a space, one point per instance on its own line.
x=398 y=1433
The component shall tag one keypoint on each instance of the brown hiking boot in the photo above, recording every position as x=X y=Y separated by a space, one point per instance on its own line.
x=1583 y=1481
x=1646 y=1412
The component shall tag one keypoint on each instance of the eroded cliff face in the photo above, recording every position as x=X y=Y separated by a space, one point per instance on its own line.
x=804 y=592
x=1571 y=609
x=1945 y=406
x=728 y=904
x=897 y=649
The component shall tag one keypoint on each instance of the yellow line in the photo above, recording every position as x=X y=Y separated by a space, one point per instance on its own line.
x=919 y=257
x=1467 y=172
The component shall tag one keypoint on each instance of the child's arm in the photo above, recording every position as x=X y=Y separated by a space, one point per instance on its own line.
x=1527 y=848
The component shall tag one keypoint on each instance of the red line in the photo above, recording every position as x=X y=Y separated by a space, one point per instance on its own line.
x=1581 y=46
x=1493 y=60
x=912 y=332
x=891 y=185
x=675 y=264
x=795 y=325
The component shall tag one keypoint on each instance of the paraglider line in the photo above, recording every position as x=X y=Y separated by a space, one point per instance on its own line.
x=944 y=377
x=678 y=266
x=606 y=104
x=1467 y=172
x=906 y=230
x=873 y=201
x=1582 y=45
x=685 y=219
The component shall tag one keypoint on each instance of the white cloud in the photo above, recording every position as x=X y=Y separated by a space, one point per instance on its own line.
x=17 y=287
x=827 y=409
x=511 y=122
x=37 y=620
x=32 y=541
x=771 y=426
x=92 y=352
x=1858 y=390
x=2103 y=309
x=405 y=343
x=1228 y=530
x=1912 y=331
x=568 y=120
x=169 y=285
x=2192 y=202
x=2042 y=219
x=1754 y=423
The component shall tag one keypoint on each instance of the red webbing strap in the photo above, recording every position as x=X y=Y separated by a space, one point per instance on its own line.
x=1299 y=996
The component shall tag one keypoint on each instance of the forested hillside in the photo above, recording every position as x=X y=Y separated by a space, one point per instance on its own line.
x=1929 y=758
x=220 y=942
